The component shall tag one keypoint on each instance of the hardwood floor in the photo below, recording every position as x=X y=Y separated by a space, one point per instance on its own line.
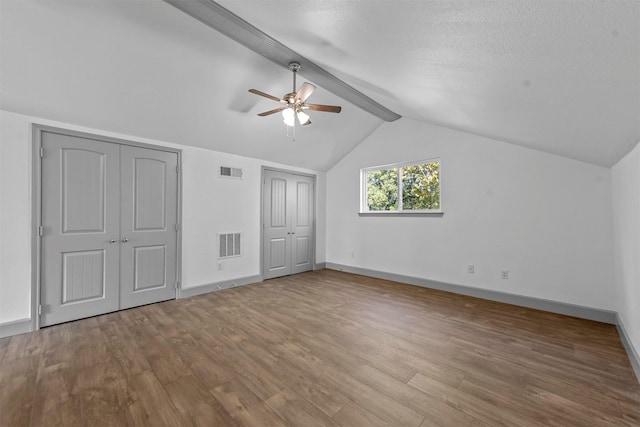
x=321 y=348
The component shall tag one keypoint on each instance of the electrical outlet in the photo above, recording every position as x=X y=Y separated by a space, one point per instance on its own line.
x=353 y=254
x=219 y=266
x=471 y=269
x=505 y=274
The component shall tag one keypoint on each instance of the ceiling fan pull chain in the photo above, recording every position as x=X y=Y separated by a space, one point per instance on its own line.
x=293 y=132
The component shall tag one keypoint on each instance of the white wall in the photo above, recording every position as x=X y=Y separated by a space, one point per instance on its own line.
x=545 y=218
x=15 y=219
x=626 y=235
x=210 y=205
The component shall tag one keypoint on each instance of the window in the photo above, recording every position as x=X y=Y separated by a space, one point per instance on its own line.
x=402 y=188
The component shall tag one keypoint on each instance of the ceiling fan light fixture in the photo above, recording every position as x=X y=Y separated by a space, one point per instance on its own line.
x=303 y=118
x=288 y=117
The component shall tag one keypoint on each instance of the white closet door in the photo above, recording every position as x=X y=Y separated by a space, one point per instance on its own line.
x=302 y=223
x=109 y=215
x=289 y=221
x=148 y=233
x=80 y=219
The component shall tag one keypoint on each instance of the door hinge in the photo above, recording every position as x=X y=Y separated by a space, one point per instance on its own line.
x=177 y=168
x=177 y=227
x=41 y=151
x=39 y=310
x=40 y=231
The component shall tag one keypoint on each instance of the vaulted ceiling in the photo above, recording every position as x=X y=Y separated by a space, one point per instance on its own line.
x=557 y=76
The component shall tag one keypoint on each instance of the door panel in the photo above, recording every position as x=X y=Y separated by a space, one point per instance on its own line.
x=278 y=203
x=150 y=267
x=82 y=276
x=302 y=204
x=83 y=187
x=80 y=218
x=150 y=189
x=303 y=226
x=277 y=254
x=148 y=234
x=276 y=220
x=302 y=251
x=288 y=216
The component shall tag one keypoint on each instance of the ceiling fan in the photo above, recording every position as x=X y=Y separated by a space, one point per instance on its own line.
x=294 y=103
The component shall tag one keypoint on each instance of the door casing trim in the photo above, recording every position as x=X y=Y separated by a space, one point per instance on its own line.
x=36 y=204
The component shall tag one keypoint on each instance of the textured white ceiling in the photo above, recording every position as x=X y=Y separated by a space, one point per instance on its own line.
x=146 y=69
x=558 y=76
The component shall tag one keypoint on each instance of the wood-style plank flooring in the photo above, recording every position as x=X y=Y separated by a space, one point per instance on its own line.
x=316 y=349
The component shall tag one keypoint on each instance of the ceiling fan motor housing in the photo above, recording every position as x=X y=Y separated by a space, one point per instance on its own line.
x=290 y=98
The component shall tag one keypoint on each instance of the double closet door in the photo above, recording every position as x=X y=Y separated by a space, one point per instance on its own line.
x=289 y=223
x=109 y=227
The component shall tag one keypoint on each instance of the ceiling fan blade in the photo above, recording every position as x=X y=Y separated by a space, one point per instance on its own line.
x=305 y=90
x=266 y=95
x=275 y=110
x=325 y=108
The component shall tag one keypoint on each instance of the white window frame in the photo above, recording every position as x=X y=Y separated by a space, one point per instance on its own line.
x=364 y=206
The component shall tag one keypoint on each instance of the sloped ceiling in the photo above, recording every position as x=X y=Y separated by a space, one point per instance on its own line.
x=144 y=68
x=557 y=76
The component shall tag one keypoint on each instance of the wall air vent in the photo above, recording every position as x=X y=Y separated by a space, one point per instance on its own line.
x=229 y=244
x=229 y=172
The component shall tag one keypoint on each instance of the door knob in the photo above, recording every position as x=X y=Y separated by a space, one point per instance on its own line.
x=113 y=241
x=125 y=240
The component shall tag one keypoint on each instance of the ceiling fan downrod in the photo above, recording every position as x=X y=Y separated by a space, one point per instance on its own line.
x=294 y=66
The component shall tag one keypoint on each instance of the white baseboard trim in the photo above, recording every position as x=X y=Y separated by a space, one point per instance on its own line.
x=320 y=266
x=15 y=327
x=604 y=316
x=634 y=358
x=218 y=286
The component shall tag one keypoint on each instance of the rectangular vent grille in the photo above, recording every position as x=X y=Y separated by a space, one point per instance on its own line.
x=229 y=244
x=230 y=172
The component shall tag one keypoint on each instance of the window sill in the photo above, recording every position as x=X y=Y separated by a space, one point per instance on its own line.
x=402 y=213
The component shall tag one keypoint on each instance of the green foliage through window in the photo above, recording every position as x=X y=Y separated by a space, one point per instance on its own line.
x=421 y=186
x=404 y=188
x=382 y=190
